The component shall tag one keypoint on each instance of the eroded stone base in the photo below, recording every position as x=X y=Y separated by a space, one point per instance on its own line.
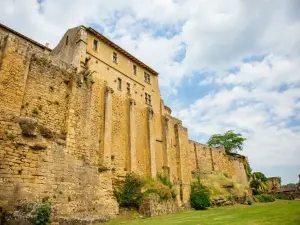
x=152 y=205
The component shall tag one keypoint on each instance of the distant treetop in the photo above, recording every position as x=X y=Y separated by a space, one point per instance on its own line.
x=231 y=141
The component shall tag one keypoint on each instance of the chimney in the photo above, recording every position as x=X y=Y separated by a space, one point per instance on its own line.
x=47 y=45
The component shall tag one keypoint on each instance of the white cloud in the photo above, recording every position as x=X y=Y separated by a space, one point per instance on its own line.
x=263 y=113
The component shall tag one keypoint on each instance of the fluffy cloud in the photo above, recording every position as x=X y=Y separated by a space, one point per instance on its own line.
x=255 y=105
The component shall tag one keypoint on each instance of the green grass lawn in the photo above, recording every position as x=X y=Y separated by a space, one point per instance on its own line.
x=279 y=212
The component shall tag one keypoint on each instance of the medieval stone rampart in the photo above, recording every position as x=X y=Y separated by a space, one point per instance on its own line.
x=67 y=134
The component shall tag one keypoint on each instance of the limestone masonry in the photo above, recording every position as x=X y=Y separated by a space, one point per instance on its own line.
x=75 y=119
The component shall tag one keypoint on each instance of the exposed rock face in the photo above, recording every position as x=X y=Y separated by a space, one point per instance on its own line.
x=152 y=205
x=29 y=126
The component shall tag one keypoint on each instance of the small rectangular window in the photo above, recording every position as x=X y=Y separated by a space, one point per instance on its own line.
x=95 y=45
x=134 y=69
x=128 y=88
x=115 y=57
x=119 y=84
x=148 y=99
x=147 y=77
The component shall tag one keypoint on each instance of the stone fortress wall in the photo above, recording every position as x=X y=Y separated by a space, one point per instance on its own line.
x=68 y=131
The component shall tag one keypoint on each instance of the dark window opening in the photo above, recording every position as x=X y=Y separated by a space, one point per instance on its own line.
x=95 y=45
x=115 y=57
x=147 y=77
x=128 y=88
x=119 y=83
x=148 y=99
x=67 y=40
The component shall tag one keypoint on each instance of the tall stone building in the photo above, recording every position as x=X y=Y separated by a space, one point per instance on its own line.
x=75 y=119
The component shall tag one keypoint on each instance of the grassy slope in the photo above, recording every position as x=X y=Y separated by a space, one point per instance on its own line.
x=279 y=212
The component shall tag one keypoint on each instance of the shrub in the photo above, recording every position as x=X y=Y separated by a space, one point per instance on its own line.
x=255 y=184
x=200 y=196
x=256 y=192
x=164 y=180
x=260 y=176
x=35 y=111
x=162 y=186
x=248 y=169
x=265 y=198
x=129 y=194
x=43 y=212
x=134 y=189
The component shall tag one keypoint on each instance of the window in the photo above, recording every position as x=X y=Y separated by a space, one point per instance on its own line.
x=134 y=69
x=115 y=57
x=119 y=84
x=128 y=88
x=148 y=99
x=147 y=77
x=67 y=40
x=95 y=45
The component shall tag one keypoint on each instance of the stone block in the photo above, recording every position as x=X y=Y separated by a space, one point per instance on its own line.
x=29 y=126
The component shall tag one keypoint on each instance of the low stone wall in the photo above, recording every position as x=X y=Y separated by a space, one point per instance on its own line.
x=286 y=195
x=152 y=205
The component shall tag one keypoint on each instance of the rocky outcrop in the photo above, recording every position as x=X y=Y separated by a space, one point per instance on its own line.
x=152 y=205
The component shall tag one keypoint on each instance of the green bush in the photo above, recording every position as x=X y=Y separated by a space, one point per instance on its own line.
x=43 y=212
x=164 y=180
x=134 y=189
x=260 y=176
x=162 y=186
x=265 y=198
x=248 y=169
x=200 y=196
x=130 y=194
x=254 y=184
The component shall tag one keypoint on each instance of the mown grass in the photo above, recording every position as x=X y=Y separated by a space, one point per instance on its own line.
x=281 y=212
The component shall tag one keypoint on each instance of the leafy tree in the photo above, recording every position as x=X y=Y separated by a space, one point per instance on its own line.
x=291 y=185
x=230 y=140
x=260 y=176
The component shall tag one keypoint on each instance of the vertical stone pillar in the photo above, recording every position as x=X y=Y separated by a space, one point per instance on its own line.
x=151 y=139
x=178 y=158
x=212 y=159
x=197 y=160
x=132 y=136
x=166 y=146
x=107 y=126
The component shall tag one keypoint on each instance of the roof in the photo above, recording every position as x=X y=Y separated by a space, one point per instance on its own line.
x=100 y=36
x=24 y=37
x=117 y=47
x=286 y=190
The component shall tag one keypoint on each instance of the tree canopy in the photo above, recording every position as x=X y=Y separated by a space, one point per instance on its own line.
x=260 y=176
x=231 y=141
x=258 y=184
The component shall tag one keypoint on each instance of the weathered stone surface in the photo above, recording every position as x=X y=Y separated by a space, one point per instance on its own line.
x=152 y=205
x=81 y=221
x=65 y=131
x=38 y=146
x=45 y=131
x=29 y=126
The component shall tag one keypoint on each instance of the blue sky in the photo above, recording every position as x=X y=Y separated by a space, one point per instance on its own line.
x=223 y=64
